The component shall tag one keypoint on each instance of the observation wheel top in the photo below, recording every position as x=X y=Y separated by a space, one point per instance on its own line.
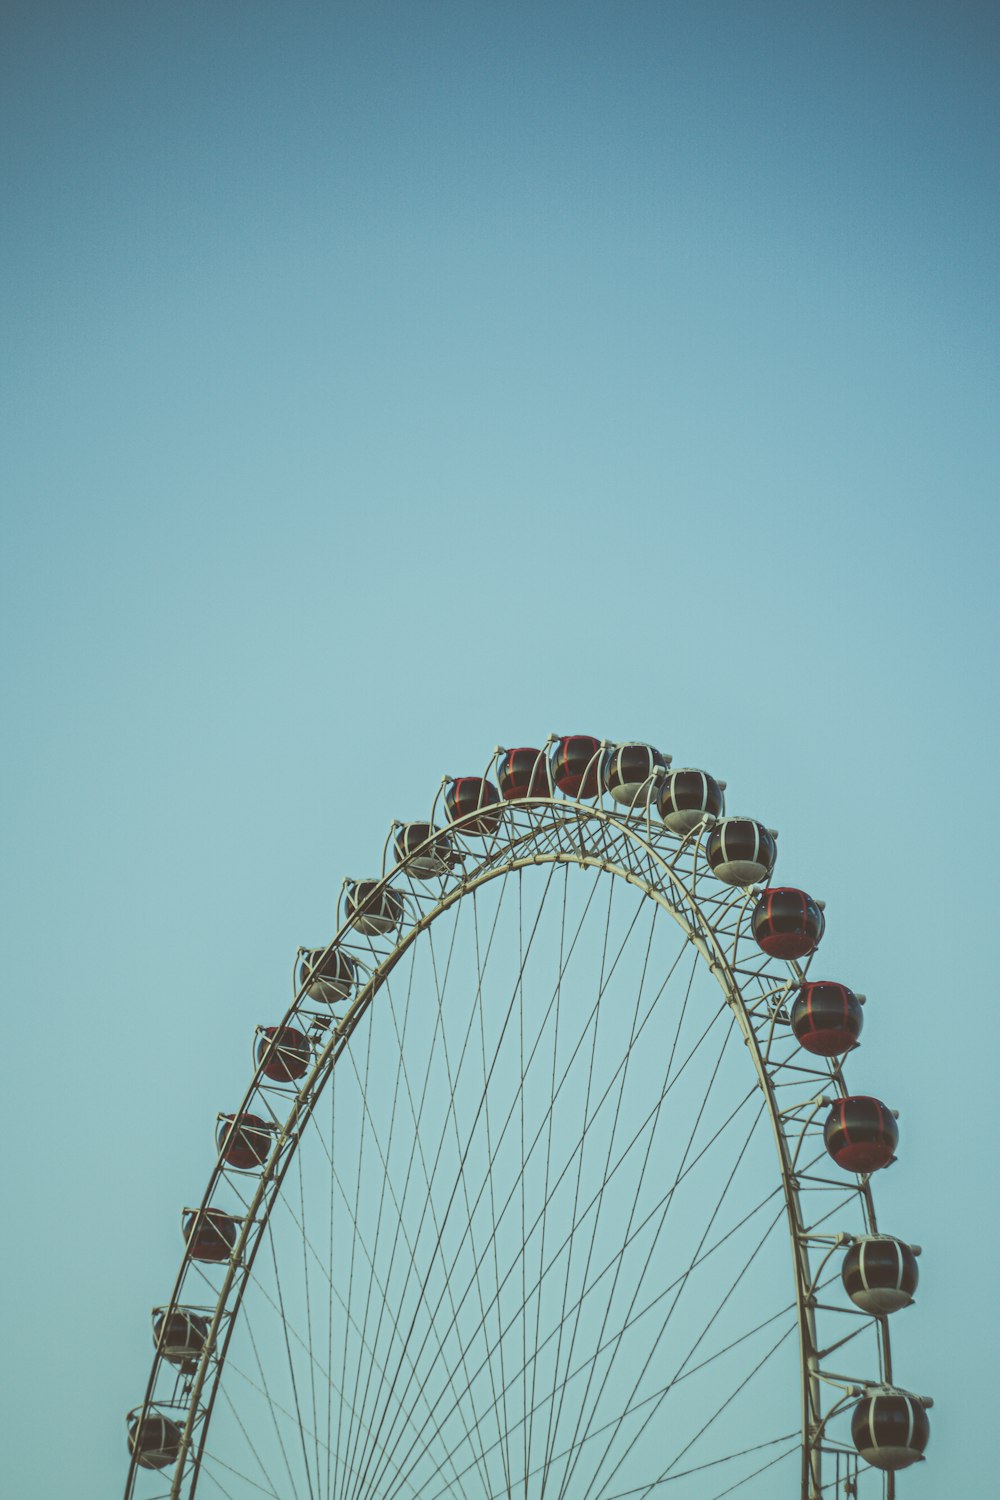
x=499 y=1079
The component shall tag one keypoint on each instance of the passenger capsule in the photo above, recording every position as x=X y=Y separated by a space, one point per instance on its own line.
x=861 y=1134
x=575 y=765
x=371 y=907
x=787 y=923
x=328 y=974
x=209 y=1233
x=523 y=773
x=153 y=1439
x=426 y=850
x=880 y=1274
x=244 y=1141
x=826 y=1018
x=282 y=1052
x=468 y=795
x=740 y=851
x=629 y=773
x=890 y=1430
x=180 y=1336
x=686 y=798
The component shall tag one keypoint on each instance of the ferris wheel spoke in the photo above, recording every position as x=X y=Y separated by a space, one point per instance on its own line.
x=483 y=1095
x=666 y=1198
x=427 y=1177
x=326 y=1266
x=485 y=1092
x=422 y=1301
x=325 y=1269
x=415 y=1146
x=714 y=1463
x=555 y=1258
x=643 y=1312
x=249 y=1440
x=664 y=1292
x=307 y=1249
x=555 y=1412
x=557 y=1090
x=501 y=1421
x=657 y=1235
x=547 y=1126
x=720 y=1494
x=710 y=1359
x=548 y=1159
x=440 y=1031
x=838 y=1208
x=654 y=1401
x=513 y=1191
x=291 y=1362
x=330 y=1457
x=589 y=1359
x=657 y=1396
x=546 y=1123
x=723 y=1406
x=306 y=1343
x=631 y=1318
x=524 y=1456
x=292 y=1334
x=265 y=1390
x=214 y=1478
x=500 y=1410
x=276 y=1406
x=659 y=1230
x=343 y=1440
x=208 y=1458
x=452 y=1076
x=707 y=1254
x=682 y=1371
x=384 y=1153
x=640 y=1181
x=273 y=1406
x=682 y=1368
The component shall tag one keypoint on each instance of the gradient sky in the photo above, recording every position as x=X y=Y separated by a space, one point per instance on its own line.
x=382 y=382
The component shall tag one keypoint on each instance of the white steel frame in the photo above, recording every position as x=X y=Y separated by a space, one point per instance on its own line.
x=633 y=845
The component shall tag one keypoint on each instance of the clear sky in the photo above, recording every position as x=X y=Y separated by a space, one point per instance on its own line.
x=385 y=381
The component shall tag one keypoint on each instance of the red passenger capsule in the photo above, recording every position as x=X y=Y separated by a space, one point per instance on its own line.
x=244 y=1141
x=523 y=773
x=787 y=923
x=861 y=1134
x=575 y=765
x=209 y=1233
x=468 y=795
x=826 y=1018
x=153 y=1439
x=282 y=1052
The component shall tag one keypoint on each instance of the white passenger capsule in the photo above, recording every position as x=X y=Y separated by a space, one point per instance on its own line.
x=687 y=798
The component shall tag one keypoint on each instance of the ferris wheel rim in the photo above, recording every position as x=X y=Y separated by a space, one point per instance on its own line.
x=633 y=829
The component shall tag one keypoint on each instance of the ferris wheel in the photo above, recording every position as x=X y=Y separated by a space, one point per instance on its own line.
x=548 y=1182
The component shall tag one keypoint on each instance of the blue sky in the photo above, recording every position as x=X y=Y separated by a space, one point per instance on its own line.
x=384 y=382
